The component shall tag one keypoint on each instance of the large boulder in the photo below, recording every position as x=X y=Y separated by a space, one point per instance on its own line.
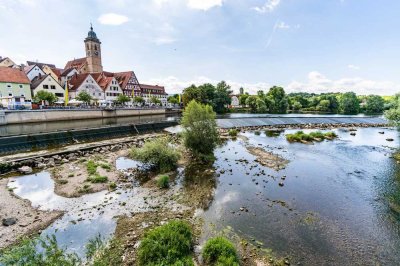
x=9 y=221
x=25 y=170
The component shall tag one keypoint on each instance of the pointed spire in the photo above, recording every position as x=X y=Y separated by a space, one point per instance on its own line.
x=91 y=26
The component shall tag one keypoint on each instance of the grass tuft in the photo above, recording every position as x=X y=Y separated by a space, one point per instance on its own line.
x=220 y=251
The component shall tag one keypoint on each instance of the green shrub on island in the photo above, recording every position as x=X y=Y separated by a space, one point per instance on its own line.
x=220 y=251
x=169 y=244
x=91 y=167
x=300 y=136
x=163 y=181
x=96 y=178
x=200 y=130
x=43 y=251
x=257 y=133
x=157 y=153
x=233 y=132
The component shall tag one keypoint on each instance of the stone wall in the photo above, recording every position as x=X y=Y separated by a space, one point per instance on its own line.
x=37 y=116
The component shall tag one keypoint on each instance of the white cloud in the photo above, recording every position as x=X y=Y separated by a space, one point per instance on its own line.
x=282 y=25
x=113 y=19
x=319 y=83
x=193 y=4
x=353 y=67
x=269 y=6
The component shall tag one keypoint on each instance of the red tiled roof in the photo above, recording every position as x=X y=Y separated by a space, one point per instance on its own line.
x=13 y=75
x=155 y=89
x=57 y=71
x=76 y=63
x=77 y=80
x=102 y=79
x=123 y=78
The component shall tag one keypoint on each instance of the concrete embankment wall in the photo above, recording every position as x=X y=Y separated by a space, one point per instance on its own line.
x=37 y=116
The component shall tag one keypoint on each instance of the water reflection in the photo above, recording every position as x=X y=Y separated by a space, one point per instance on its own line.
x=330 y=210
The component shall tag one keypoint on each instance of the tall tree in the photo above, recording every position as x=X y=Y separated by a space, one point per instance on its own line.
x=374 y=104
x=279 y=98
x=349 y=103
x=45 y=96
x=221 y=97
x=85 y=97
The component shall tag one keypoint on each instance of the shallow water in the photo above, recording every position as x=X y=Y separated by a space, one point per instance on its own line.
x=87 y=216
x=332 y=209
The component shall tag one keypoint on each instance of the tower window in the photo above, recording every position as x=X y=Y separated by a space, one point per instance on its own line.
x=95 y=47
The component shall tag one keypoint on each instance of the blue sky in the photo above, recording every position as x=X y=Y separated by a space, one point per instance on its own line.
x=302 y=45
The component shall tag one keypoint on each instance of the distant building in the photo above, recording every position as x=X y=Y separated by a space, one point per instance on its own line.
x=6 y=62
x=33 y=71
x=15 y=91
x=85 y=82
x=235 y=102
x=149 y=91
x=128 y=83
x=47 y=83
x=109 y=85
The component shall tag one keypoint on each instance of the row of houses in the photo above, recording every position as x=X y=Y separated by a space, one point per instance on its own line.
x=20 y=83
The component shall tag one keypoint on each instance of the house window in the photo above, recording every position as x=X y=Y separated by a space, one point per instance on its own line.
x=10 y=94
x=45 y=87
x=53 y=87
x=8 y=85
x=60 y=94
x=21 y=86
x=99 y=93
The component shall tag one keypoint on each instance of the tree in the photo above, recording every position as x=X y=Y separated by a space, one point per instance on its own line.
x=85 y=97
x=261 y=106
x=243 y=98
x=323 y=106
x=45 y=96
x=280 y=101
x=138 y=100
x=296 y=106
x=155 y=100
x=173 y=99
x=374 y=104
x=251 y=102
x=122 y=99
x=349 y=103
x=221 y=97
x=192 y=93
x=200 y=130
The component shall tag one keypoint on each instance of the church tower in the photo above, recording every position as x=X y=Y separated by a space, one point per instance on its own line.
x=93 y=52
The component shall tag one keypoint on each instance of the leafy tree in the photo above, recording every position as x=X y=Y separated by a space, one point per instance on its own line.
x=192 y=93
x=207 y=93
x=280 y=101
x=85 y=97
x=296 y=106
x=349 y=103
x=243 y=98
x=122 y=99
x=374 y=104
x=173 y=99
x=251 y=102
x=155 y=100
x=221 y=97
x=138 y=100
x=261 y=106
x=200 y=130
x=45 y=96
x=323 y=106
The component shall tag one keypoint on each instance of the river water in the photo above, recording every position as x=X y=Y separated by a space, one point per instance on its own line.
x=332 y=210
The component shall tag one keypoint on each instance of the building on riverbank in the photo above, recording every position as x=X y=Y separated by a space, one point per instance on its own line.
x=15 y=91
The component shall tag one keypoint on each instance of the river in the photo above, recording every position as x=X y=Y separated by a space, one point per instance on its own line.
x=331 y=210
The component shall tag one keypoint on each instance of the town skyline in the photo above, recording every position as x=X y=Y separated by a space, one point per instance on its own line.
x=301 y=51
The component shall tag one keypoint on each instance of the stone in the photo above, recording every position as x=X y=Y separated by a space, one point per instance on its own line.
x=25 y=170
x=65 y=160
x=41 y=165
x=389 y=139
x=9 y=221
x=281 y=184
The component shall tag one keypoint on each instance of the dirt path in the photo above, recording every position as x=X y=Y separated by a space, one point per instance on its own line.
x=28 y=219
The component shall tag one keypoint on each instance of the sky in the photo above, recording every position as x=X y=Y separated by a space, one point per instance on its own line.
x=301 y=45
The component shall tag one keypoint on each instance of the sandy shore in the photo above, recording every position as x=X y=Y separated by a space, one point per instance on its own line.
x=29 y=220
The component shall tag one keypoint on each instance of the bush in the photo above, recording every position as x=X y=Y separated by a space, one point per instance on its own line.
x=257 y=133
x=158 y=153
x=163 y=181
x=200 y=130
x=233 y=132
x=112 y=186
x=91 y=167
x=101 y=253
x=219 y=251
x=96 y=178
x=169 y=244
x=300 y=136
x=27 y=253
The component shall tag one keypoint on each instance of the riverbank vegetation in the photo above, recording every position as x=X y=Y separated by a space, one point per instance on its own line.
x=169 y=244
x=200 y=130
x=393 y=114
x=220 y=251
x=300 y=136
x=158 y=153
